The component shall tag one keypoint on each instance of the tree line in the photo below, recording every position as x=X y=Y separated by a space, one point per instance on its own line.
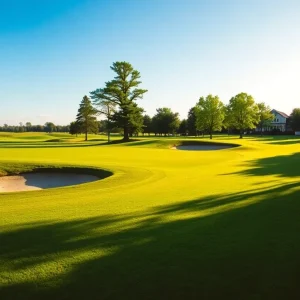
x=48 y=127
x=116 y=100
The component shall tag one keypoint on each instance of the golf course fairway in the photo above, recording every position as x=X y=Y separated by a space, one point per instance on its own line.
x=166 y=225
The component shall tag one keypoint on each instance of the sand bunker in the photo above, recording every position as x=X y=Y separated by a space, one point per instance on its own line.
x=39 y=181
x=202 y=147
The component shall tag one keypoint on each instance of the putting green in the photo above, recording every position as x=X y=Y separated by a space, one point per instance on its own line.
x=166 y=224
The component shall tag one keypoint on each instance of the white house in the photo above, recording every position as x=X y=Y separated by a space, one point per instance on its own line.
x=280 y=120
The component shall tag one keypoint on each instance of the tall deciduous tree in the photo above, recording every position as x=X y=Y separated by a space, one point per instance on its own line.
x=86 y=117
x=74 y=128
x=243 y=112
x=227 y=122
x=49 y=127
x=165 y=121
x=191 y=122
x=295 y=119
x=265 y=116
x=147 y=124
x=122 y=92
x=106 y=108
x=182 y=127
x=28 y=126
x=210 y=113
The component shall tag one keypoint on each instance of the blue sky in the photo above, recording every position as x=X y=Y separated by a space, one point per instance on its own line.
x=53 y=52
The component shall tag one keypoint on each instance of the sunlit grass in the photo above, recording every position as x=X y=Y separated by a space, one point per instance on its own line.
x=167 y=225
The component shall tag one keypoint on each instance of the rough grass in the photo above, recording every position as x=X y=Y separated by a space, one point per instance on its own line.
x=167 y=225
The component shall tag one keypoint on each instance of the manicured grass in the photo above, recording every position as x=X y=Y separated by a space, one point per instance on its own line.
x=167 y=225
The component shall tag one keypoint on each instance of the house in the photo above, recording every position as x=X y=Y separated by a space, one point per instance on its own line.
x=280 y=120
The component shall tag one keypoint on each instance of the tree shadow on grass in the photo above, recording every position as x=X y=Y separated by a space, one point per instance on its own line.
x=142 y=143
x=287 y=142
x=282 y=166
x=278 y=140
x=237 y=246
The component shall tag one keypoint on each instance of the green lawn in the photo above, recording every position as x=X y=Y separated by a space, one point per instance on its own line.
x=168 y=224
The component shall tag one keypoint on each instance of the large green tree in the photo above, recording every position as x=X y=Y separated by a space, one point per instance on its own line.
x=135 y=120
x=191 y=122
x=243 y=112
x=147 y=124
x=122 y=92
x=210 y=113
x=182 y=127
x=265 y=116
x=295 y=119
x=165 y=121
x=106 y=108
x=49 y=127
x=74 y=128
x=86 y=117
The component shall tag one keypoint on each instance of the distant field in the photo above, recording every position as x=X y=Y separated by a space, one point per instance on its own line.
x=168 y=224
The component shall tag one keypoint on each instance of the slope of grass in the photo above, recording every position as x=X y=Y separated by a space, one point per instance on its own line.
x=167 y=225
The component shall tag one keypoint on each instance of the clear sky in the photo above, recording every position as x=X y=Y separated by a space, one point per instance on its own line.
x=53 y=52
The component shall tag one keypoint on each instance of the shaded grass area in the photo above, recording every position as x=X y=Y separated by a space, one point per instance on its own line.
x=241 y=250
x=174 y=142
x=279 y=140
x=281 y=165
x=46 y=144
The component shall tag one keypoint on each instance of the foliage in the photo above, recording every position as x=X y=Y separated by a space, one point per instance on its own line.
x=135 y=119
x=210 y=114
x=86 y=117
x=191 y=122
x=49 y=127
x=183 y=127
x=243 y=113
x=105 y=107
x=165 y=121
x=265 y=116
x=75 y=128
x=147 y=124
x=122 y=92
x=295 y=119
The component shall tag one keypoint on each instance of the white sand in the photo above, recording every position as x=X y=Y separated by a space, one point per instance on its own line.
x=39 y=181
x=202 y=147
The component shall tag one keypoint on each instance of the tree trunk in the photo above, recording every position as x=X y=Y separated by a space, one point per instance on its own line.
x=86 y=129
x=108 y=124
x=210 y=136
x=241 y=133
x=126 y=134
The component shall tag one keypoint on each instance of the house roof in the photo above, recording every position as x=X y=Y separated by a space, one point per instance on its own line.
x=281 y=113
